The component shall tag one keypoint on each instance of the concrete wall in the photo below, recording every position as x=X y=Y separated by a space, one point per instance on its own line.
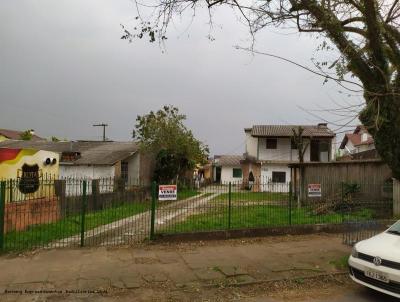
x=251 y=145
x=75 y=173
x=227 y=175
x=12 y=168
x=266 y=184
x=363 y=148
x=349 y=148
x=283 y=152
x=87 y=172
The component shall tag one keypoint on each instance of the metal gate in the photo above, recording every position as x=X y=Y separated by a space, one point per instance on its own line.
x=355 y=231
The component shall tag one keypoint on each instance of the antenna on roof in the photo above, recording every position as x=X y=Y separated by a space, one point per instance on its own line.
x=104 y=129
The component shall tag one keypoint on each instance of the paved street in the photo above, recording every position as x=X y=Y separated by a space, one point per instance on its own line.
x=200 y=271
x=353 y=294
x=360 y=294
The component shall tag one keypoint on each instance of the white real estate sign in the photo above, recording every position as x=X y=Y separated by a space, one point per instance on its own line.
x=167 y=192
x=314 y=190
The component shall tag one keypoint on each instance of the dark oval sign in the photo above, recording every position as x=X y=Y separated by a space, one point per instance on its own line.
x=29 y=182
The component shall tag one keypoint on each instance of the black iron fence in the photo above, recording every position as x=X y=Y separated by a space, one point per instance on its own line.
x=66 y=212
x=239 y=206
x=78 y=212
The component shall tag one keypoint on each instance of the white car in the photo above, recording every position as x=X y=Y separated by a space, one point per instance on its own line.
x=375 y=262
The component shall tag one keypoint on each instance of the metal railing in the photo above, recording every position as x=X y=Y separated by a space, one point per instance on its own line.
x=78 y=212
x=72 y=212
x=236 y=205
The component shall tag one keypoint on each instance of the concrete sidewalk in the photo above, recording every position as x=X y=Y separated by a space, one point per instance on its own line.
x=166 y=272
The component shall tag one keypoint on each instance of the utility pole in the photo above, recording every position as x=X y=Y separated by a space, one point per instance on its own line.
x=104 y=129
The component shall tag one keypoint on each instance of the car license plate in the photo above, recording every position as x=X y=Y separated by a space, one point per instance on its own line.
x=377 y=276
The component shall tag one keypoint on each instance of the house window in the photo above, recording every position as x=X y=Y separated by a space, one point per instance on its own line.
x=237 y=173
x=124 y=171
x=278 y=177
x=272 y=143
x=293 y=144
x=324 y=146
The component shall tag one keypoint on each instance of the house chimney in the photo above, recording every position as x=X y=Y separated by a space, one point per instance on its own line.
x=322 y=125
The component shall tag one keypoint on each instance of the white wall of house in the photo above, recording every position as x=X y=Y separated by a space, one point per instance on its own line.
x=362 y=148
x=357 y=149
x=251 y=145
x=75 y=173
x=349 y=148
x=88 y=172
x=267 y=185
x=227 y=175
x=283 y=152
x=333 y=148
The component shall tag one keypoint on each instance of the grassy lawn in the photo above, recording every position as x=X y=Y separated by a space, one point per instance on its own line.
x=187 y=193
x=41 y=235
x=253 y=196
x=216 y=218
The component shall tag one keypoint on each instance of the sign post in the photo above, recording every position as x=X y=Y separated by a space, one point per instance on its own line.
x=167 y=192
x=153 y=209
x=314 y=190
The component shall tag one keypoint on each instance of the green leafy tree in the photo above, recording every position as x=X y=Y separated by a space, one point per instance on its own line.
x=26 y=135
x=55 y=139
x=365 y=34
x=175 y=149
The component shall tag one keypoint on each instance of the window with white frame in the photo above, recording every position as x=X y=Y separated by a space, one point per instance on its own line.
x=237 y=173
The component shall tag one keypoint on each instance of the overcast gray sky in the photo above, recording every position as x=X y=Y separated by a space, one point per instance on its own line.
x=64 y=67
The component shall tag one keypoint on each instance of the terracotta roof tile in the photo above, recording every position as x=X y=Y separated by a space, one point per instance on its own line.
x=14 y=134
x=287 y=130
x=229 y=160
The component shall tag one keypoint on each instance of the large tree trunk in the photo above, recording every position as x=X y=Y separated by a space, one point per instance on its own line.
x=382 y=119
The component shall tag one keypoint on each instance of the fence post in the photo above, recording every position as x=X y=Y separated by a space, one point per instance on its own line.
x=290 y=202
x=343 y=208
x=396 y=197
x=229 y=205
x=2 y=212
x=153 y=209
x=11 y=190
x=83 y=212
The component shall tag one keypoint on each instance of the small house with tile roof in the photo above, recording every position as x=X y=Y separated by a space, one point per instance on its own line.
x=95 y=159
x=359 y=141
x=8 y=134
x=227 y=168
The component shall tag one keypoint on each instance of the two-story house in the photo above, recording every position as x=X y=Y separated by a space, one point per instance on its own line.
x=271 y=148
x=360 y=141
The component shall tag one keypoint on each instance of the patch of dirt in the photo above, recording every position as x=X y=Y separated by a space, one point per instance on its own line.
x=285 y=291
x=191 y=245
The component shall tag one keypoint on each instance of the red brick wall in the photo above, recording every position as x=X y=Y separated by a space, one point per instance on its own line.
x=20 y=215
x=256 y=168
